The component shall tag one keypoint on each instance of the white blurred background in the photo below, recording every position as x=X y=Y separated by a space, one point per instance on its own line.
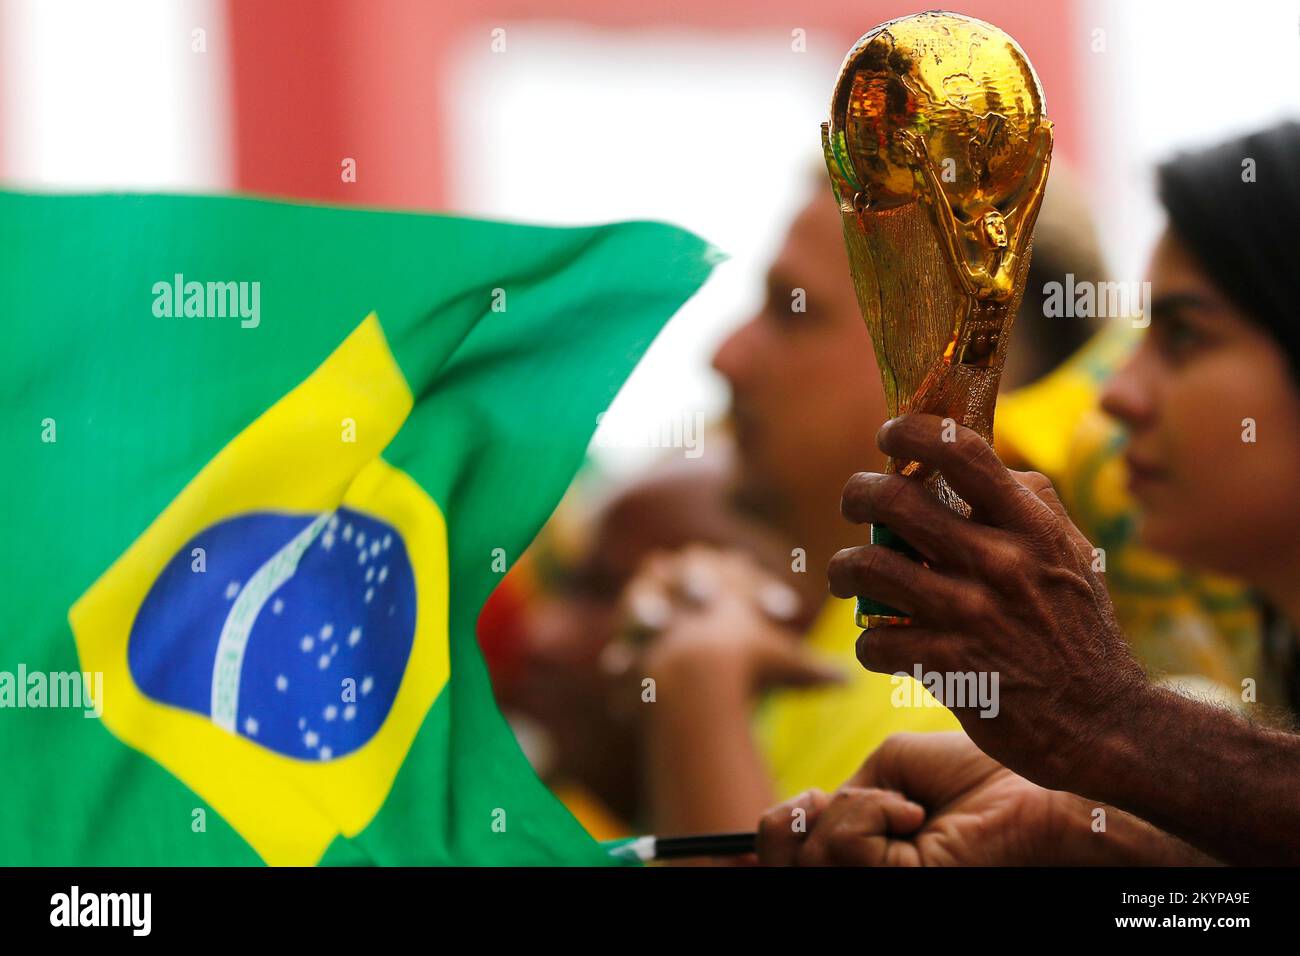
x=1176 y=74
x=579 y=126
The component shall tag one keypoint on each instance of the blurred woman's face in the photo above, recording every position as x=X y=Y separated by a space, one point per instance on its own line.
x=1213 y=419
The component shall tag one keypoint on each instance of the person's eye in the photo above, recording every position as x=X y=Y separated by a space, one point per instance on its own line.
x=1178 y=338
x=796 y=307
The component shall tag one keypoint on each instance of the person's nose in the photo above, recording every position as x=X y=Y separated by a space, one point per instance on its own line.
x=734 y=357
x=1129 y=396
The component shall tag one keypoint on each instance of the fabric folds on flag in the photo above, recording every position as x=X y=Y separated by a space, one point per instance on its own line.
x=264 y=463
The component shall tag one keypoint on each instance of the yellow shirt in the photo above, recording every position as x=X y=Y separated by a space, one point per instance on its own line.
x=818 y=737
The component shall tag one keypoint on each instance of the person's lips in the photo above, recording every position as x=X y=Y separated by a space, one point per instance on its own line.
x=1143 y=472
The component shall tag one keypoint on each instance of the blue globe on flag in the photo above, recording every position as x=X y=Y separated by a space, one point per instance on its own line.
x=293 y=631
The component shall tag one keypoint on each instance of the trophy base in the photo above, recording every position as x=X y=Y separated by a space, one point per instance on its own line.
x=870 y=613
x=868 y=621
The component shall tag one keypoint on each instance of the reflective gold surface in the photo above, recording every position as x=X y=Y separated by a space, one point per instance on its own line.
x=938 y=151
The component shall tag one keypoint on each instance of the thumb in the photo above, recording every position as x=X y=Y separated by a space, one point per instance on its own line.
x=929 y=768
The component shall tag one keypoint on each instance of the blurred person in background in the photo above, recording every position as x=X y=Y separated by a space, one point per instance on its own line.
x=1185 y=780
x=712 y=752
x=732 y=728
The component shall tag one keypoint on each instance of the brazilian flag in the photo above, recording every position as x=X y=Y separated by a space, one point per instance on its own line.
x=263 y=464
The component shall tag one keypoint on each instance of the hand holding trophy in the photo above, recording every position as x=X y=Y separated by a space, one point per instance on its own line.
x=938 y=150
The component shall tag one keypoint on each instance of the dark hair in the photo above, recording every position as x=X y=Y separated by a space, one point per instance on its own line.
x=1237 y=207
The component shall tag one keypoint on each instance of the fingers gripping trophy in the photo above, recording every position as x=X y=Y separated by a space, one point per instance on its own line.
x=938 y=149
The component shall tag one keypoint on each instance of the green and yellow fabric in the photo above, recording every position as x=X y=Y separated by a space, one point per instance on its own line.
x=264 y=463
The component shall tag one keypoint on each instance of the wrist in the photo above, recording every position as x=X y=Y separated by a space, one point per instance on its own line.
x=1117 y=752
x=688 y=665
x=1093 y=834
x=1081 y=840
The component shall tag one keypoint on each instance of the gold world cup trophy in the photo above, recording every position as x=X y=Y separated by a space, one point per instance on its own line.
x=938 y=150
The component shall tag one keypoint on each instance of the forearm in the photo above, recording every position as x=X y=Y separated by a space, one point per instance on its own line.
x=703 y=771
x=1228 y=787
x=1091 y=834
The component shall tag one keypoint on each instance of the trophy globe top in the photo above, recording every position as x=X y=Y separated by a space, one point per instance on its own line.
x=941 y=87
